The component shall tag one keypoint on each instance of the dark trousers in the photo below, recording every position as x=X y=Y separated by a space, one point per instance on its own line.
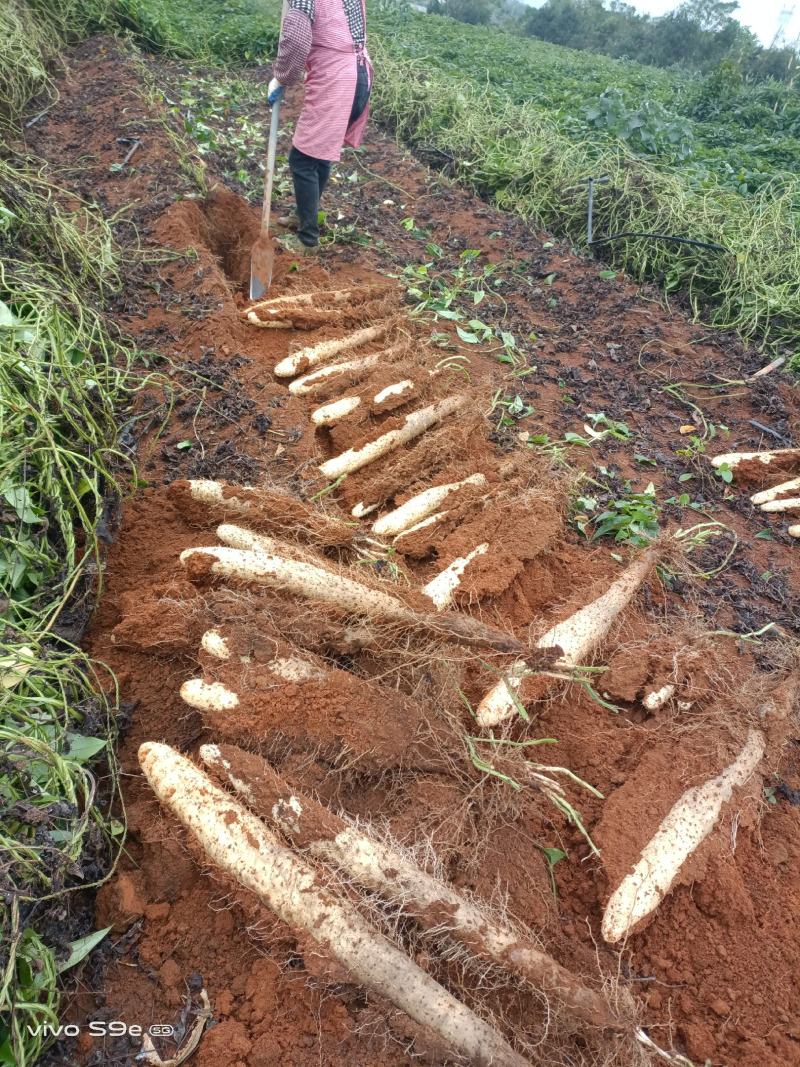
x=310 y=176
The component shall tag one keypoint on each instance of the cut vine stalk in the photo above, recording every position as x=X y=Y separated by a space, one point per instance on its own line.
x=240 y=845
x=380 y=868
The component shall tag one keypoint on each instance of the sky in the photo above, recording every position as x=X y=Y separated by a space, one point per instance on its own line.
x=760 y=16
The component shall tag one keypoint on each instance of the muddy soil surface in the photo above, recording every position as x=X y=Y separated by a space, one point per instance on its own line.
x=377 y=728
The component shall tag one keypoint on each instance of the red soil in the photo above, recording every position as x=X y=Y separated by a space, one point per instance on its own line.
x=714 y=971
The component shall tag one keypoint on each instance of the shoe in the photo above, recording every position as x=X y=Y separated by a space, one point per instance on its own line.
x=286 y=222
x=292 y=244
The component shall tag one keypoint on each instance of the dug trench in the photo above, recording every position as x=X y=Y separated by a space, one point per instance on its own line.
x=375 y=717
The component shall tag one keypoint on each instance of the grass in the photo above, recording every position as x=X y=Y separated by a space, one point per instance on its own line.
x=519 y=157
x=214 y=31
x=64 y=379
x=32 y=33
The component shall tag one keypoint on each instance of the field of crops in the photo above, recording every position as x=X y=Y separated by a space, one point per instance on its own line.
x=716 y=129
x=412 y=620
x=526 y=123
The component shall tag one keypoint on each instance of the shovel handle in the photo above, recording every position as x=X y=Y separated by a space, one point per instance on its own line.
x=270 y=171
x=272 y=145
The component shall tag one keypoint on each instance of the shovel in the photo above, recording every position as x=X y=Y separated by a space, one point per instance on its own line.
x=262 y=255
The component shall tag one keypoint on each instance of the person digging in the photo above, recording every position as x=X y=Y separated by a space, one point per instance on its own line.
x=326 y=39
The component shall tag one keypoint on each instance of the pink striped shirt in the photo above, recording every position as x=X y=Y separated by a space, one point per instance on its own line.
x=325 y=48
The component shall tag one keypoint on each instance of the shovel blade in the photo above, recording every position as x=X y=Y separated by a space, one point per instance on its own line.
x=262 y=258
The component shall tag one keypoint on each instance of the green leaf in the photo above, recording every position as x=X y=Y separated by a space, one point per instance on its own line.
x=19 y=497
x=82 y=749
x=609 y=274
x=685 y=477
x=466 y=336
x=765 y=535
x=576 y=439
x=7 y=316
x=80 y=949
x=553 y=855
x=183 y=445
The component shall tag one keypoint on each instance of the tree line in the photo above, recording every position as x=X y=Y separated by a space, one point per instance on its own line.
x=699 y=34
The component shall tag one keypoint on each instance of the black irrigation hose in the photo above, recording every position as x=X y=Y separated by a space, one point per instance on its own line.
x=591 y=183
x=661 y=237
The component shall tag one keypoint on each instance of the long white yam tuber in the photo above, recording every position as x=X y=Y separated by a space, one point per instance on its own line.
x=391 y=391
x=296 y=669
x=241 y=846
x=239 y=537
x=313 y=355
x=416 y=423
x=382 y=869
x=272 y=323
x=657 y=698
x=208 y=696
x=431 y=520
x=260 y=544
x=688 y=823
x=278 y=311
x=791 y=503
x=777 y=490
x=330 y=414
x=420 y=506
x=733 y=459
x=213 y=643
x=263 y=506
x=361 y=510
x=331 y=296
x=299 y=578
x=441 y=588
x=318 y=583
x=576 y=637
x=353 y=368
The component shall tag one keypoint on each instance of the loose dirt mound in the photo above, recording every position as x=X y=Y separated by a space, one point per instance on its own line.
x=379 y=721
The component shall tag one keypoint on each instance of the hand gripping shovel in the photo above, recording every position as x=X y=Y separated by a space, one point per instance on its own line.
x=262 y=255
